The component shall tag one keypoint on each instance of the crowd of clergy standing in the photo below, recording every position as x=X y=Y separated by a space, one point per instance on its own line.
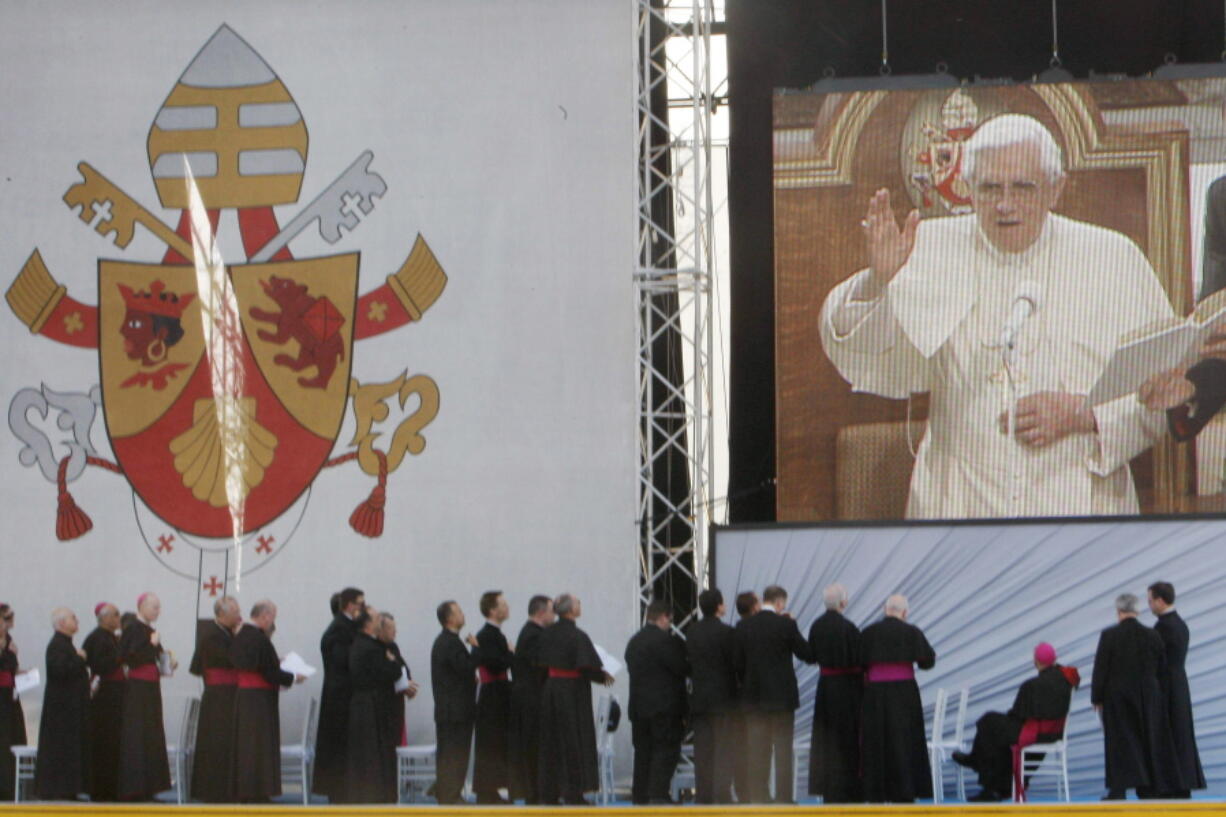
x=527 y=711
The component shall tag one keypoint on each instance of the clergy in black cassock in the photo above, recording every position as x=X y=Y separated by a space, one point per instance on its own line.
x=393 y=700
x=12 y=718
x=143 y=766
x=894 y=748
x=1174 y=632
x=213 y=763
x=655 y=659
x=333 y=730
x=765 y=646
x=493 y=655
x=453 y=681
x=106 y=707
x=834 y=754
x=527 y=682
x=62 y=769
x=370 y=755
x=1037 y=716
x=567 y=762
x=257 y=707
x=711 y=653
x=1126 y=690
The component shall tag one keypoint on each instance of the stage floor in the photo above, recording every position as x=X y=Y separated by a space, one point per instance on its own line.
x=1139 y=808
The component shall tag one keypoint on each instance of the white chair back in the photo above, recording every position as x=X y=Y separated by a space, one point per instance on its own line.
x=938 y=715
x=960 y=719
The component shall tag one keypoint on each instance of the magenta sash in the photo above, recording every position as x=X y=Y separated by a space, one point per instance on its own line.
x=885 y=672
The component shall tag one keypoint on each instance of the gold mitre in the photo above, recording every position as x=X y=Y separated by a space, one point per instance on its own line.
x=237 y=126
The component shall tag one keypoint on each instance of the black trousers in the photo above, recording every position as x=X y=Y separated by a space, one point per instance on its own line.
x=768 y=732
x=715 y=745
x=454 y=742
x=740 y=765
x=657 y=747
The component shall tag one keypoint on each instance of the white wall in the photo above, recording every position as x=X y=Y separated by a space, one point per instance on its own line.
x=505 y=133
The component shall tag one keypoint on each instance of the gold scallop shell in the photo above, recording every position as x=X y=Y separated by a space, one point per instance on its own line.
x=220 y=444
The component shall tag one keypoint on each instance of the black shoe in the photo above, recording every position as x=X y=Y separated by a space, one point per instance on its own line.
x=985 y=796
x=1115 y=795
x=963 y=759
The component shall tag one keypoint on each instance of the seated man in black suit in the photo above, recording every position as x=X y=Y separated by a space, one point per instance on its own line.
x=765 y=645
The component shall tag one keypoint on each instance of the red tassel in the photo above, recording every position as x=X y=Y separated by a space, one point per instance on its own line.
x=367 y=518
x=70 y=520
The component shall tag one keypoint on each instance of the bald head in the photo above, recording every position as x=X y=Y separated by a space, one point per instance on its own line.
x=264 y=615
x=64 y=621
x=896 y=606
x=227 y=612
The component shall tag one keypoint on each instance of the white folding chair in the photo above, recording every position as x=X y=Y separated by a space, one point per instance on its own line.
x=605 y=749
x=26 y=757
x=935 y=750
x=416 y=769
x=298 y=759
x=181 y=754
x=800 y=769
x=1035 y=763
x=942 y=750
x=683 y=776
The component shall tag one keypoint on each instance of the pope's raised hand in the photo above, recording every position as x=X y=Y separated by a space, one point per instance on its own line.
x=889 y=246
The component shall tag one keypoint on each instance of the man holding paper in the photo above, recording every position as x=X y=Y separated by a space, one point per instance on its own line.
x=257 y=707
x=62 y=769
x=942 y=301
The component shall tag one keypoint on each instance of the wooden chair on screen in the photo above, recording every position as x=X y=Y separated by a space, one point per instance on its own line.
x=873 y=465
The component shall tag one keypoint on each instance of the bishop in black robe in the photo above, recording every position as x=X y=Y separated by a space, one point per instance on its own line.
x=493 y=723
x=711 y=654
x=257 y=708
x=1043 y=699
x=12 y=718
x=894 y=746
x=1127 y=690
x=144 y=769
x=454 y=684
x=834 y=753
x=527 y=682
x=370 y=754
x=213 y=764
x=62 y=769
x=655 y=659
x=1174 y=680
x=106 y=707
x=333 y=729
x=567 y=764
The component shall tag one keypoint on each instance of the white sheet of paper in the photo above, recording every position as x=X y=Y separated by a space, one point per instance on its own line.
x=402 y=683
x=25 y=681
x=1134 y=363
x=294 y=665
x=611 y=664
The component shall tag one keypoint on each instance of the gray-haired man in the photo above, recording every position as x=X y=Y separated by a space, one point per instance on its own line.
x=1127 y=694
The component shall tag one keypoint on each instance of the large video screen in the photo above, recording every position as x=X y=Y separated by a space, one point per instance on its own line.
x=1001 y=301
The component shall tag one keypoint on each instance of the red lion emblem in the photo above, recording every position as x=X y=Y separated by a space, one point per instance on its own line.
x=314 y=322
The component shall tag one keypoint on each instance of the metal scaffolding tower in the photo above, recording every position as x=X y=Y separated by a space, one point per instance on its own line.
x=673 y=281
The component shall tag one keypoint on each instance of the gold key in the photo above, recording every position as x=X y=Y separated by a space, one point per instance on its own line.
x=97 y=196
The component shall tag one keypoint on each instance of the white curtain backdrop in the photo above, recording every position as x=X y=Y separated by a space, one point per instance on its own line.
x=986 y=594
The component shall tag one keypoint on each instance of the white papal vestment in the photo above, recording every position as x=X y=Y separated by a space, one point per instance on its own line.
x=936 y=329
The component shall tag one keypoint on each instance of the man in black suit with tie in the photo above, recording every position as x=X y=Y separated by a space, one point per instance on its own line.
x=712 y=654
x=1174 y=632
x=656 y=661
x=454 y=682
x=765 y=646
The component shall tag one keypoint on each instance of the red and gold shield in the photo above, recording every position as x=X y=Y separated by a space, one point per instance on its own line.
x=223 y=399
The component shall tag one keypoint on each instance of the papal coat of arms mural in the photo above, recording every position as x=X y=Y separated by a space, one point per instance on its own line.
x=223 y=386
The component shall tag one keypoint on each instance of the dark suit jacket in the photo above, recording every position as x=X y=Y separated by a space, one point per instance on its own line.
x=710 y=647
x=765 y=644
x=657 y=665
x=453 y=680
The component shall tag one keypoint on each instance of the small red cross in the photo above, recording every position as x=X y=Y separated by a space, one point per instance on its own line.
x=165 y=539
x=265 y=544
x=212 y=585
